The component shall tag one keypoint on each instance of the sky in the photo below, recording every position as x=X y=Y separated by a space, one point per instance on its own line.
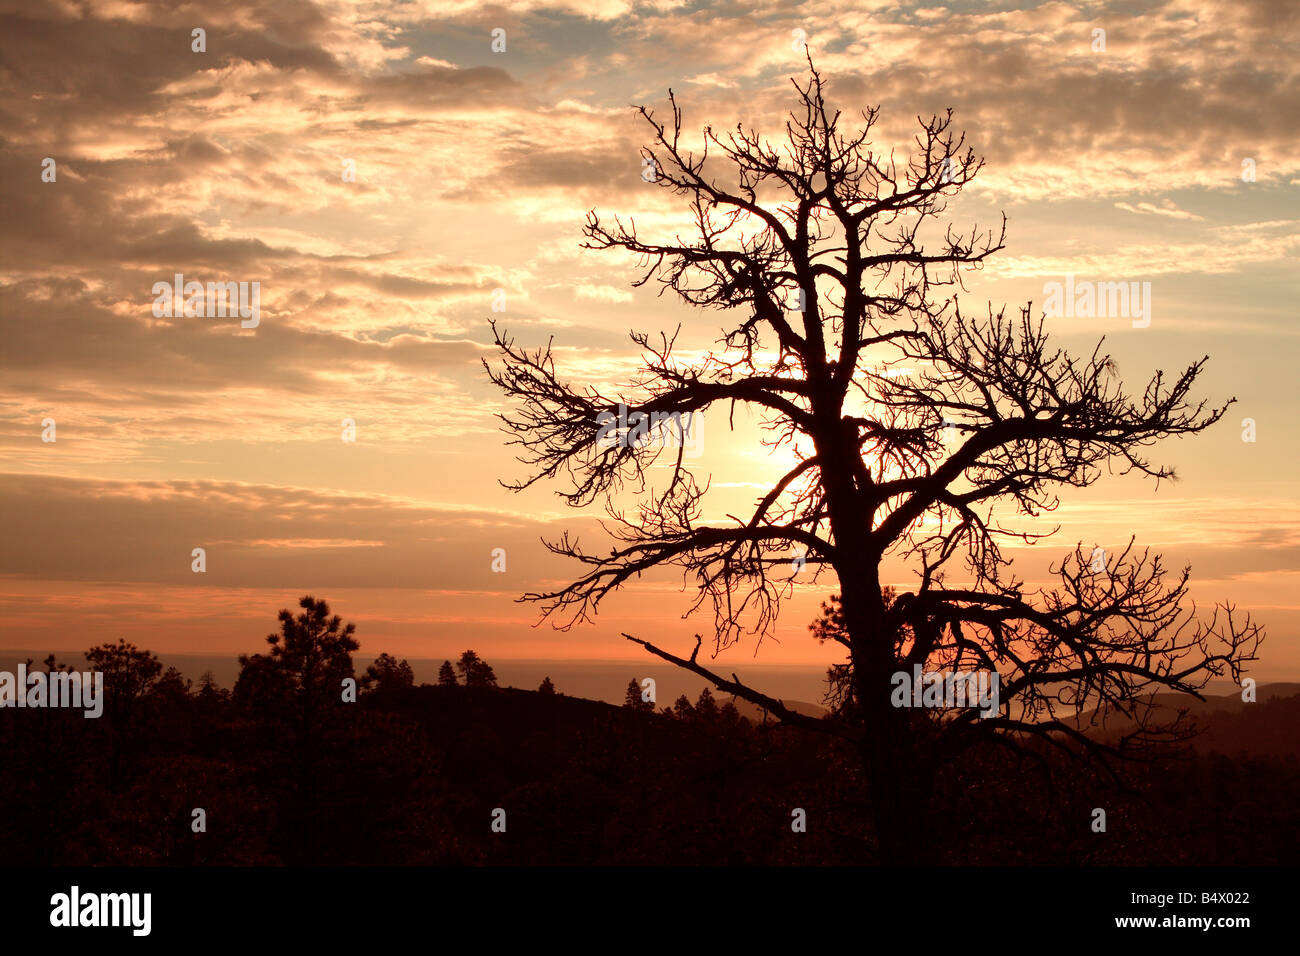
x=1161 y=151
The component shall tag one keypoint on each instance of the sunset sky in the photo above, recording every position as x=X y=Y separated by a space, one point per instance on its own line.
x=474 y=171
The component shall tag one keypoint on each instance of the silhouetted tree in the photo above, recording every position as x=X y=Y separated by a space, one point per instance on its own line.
x=129 y=673
x=918 y=429
x=210 y=699
x=728 y=714
x=388 y=674
x=706 y=708
x=299 y=683
x=309 y=659
x=546 y=687
x=682 y=708
x=475 y=672
x=208 y=688
x=311 y=656
x=263 y=686
x=446 y=675
x=633 y=698
x=172 y=685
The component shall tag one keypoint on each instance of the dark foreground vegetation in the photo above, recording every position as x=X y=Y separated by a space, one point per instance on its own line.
x=288 y=772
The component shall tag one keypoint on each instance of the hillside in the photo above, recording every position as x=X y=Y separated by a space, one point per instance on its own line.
x=1225 y=723
x=416 y=775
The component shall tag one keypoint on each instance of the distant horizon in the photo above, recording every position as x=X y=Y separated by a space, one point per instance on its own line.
x=365 y=654
x=590 y=678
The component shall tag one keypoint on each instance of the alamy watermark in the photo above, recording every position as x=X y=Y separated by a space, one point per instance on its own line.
x=216 y=300
x=74 y=909
x=53 y=689
x=1117 y=300
x=947 y=689
x=650 y=429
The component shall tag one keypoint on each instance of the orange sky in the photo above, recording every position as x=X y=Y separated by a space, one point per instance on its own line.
x=474 y=171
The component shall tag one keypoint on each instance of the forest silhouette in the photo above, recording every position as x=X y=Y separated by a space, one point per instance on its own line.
x=288 y=771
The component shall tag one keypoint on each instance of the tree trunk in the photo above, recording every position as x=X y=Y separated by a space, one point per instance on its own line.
x=887 y=746
x=897 y=779
x=895 y=767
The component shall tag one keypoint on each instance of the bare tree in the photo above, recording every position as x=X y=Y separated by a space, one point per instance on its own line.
x=921 y=429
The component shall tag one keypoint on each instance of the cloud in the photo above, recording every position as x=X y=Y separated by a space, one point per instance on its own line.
x=602 y=293
x=256 y=536
x=1166 y=208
